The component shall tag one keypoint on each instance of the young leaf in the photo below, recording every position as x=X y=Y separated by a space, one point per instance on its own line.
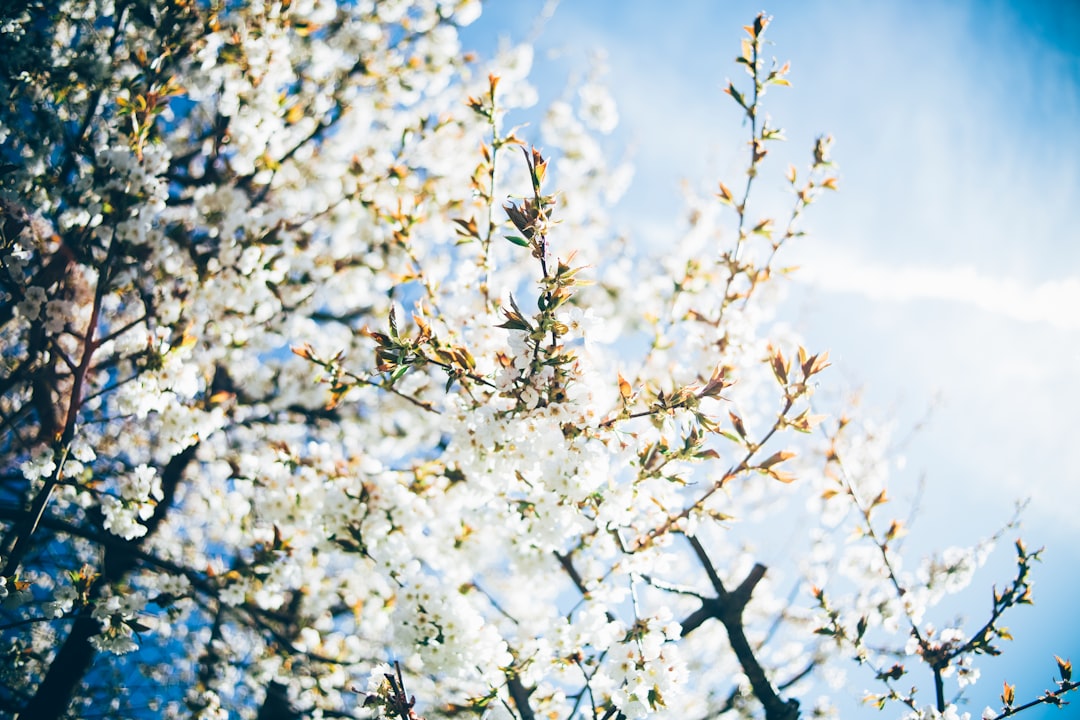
x=780 y=366
x=737 y=422
x=736 y=95
x=776 y=458
x=393 y=323
x=725 y=195
x=1065 y=667
x=764 y=228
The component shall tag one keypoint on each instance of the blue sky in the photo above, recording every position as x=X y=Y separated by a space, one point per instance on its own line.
x=945 y=274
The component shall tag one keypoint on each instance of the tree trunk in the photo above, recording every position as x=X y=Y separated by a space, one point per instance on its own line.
x=55 y=693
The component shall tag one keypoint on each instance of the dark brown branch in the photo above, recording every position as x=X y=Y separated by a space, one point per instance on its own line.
x=276 y=705
x=775 y=707
x=25 y=531
x=728 y=608
x=703 y=558
x=53 y=696
x=520 y=695
x=709 y=609
x=1048 y=698
x=798 y=676
x=575 y=576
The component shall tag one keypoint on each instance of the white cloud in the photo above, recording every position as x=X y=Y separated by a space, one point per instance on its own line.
x=1054 y=302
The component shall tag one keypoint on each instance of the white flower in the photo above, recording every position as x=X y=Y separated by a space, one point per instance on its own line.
x=115 y=640
x=142 y=484
x=467 y=12
x=40 y=465
x=598 y=109
x=949 y=635
x=579 y=322
x=82 y=450
x=57 y=313
x=62 y=603
x=967 y=676
x=120 y=519
x=30 y=307
x=912 y=645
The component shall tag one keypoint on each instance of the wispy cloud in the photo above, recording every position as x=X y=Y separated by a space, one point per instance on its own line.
x=1053 y=302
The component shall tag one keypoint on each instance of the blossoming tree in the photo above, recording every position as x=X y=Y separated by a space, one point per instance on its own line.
x=512 y=466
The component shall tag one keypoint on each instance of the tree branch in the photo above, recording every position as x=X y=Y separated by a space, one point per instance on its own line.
x=728 y=607
x=53 y=696
x=520 y=695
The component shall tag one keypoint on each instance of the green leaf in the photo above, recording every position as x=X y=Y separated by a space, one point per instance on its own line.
x=518 y=240
x=736 y=95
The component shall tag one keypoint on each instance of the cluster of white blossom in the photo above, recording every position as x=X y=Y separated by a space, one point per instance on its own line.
x=530 y=512
x=115 y=614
